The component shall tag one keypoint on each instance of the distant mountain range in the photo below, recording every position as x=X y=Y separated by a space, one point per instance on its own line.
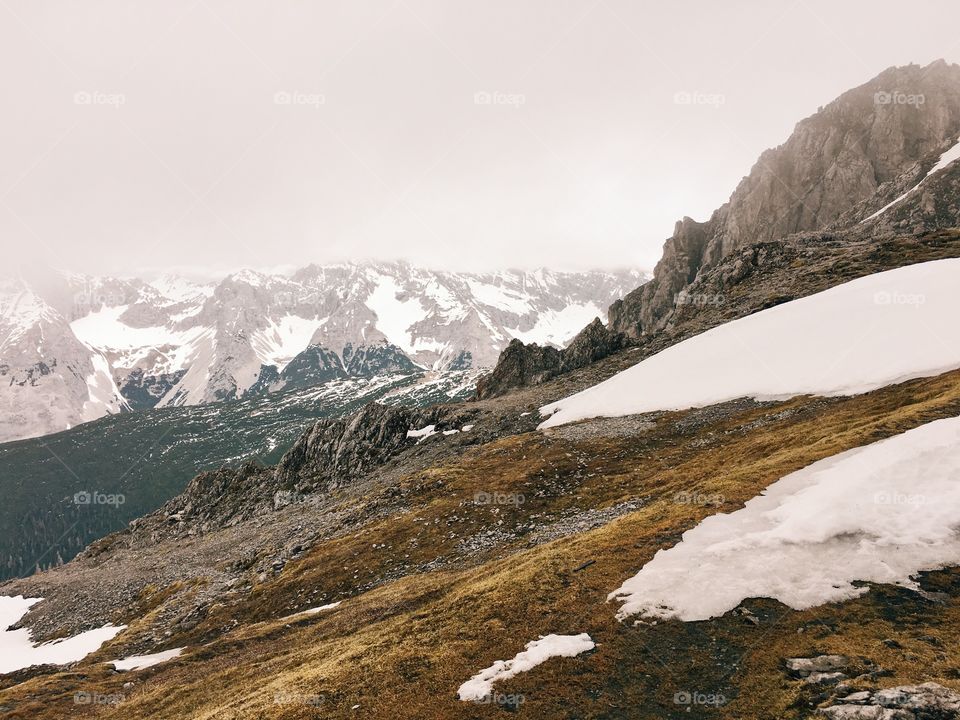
x=74 y=348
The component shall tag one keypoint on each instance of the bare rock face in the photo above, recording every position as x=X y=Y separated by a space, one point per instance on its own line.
x=886 y=131
x=683 y=256
x=519 y=365
x=839 y=168
x=593 y=343
x=805 y=667
x=929 y=701
x=334 y=452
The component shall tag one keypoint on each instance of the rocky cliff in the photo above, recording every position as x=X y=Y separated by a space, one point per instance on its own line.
x=876 y=162
x=856 y=152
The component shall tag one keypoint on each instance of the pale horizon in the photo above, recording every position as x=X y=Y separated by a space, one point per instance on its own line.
x=218 y=136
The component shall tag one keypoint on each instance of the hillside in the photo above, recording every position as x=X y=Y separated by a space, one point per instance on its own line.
x=143 y=459
x=736 y=499
x=432 y=543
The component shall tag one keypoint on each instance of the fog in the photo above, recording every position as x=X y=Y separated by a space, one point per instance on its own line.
x=220 y=134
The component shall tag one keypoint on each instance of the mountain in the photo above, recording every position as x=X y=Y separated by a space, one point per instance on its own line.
x=839 y=166
x=145 y=458
x=75 y=348
x=746 y=509
x=877 y=162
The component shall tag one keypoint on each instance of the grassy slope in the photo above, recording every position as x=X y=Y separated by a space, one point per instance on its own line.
x=400 y=649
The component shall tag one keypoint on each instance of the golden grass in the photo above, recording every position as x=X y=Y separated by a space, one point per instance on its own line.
x=401 y=649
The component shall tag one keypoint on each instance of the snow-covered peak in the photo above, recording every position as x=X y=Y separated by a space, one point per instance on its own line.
x=174 y=340
x=179 y=289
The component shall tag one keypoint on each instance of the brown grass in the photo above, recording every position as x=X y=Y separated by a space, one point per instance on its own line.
x=401 y=648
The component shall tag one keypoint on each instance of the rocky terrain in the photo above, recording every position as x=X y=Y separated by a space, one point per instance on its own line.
x=843 y=179
x=389 y=556
x=143 y=459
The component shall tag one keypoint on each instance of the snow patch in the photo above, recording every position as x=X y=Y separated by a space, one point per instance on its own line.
x=559 y=327
x=865 y=334
x=322 y=608
x=880 y=513
x=395 y=316
x=423 y=433
x=137 y=662
x=537 y=651
x=17 y=650
x=282 y=340
x=499 y=297
x=104 y=395
x=948 y=157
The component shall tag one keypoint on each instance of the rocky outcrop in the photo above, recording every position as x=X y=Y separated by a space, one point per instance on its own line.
x=593 y=343
x=380 y=359
x=313 y=366
x=531 y=364
x=142 y=391
x=683 y=256
x=838 y=168
x=332 y=454
x=929 y=701
x=335 y=452
x=853 y=153
x=519 y=364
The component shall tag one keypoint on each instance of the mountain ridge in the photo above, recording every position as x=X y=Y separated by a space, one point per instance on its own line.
x=75 y=347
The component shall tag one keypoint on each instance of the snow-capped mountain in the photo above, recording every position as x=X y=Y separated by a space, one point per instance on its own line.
x=74 y=347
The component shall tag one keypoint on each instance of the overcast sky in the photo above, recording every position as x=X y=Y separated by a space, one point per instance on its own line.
x=506 y=133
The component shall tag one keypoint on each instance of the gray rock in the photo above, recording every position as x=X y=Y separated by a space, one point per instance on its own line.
x=819 y=664
x=825 y=678
x=928 y=701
